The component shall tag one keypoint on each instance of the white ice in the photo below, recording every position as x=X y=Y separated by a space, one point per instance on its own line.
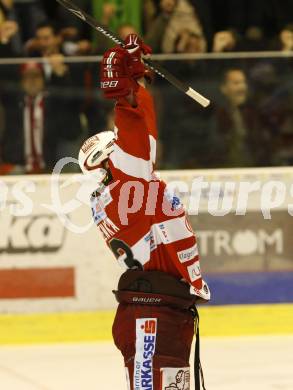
x=246 y=363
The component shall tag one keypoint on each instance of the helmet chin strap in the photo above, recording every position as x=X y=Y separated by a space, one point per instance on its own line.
x=106 y=181
x=109 y=177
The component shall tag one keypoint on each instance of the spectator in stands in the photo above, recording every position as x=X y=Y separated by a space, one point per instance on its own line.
x=122 y=32
x=188 y=42
x=75 y=34
x=8 y=29
x=125 y=29
x=277 y=115
x=30 y=13
x=203 y=9
x=175 y=17
x=114 y=13
x=149 y=12
x=117 y=17
x=273 y=99
x=10 y=32
x=257 y=21
x=225 y=41
x=67 y=20
x=286 y=39
x=237 y=124
x=37 y=119
x=47 y=44
x=187 y=142
x=254 y=40
x=268 y=15
x=72 y=44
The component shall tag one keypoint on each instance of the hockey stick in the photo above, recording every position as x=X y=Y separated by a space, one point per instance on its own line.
x=155 y=67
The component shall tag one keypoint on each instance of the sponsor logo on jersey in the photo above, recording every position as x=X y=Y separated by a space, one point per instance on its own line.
x=99 y=204
x=164 y=233
x=187 y=254
x=146 y=333
x=194 y=271
x=105 y=198
x=149 y=238
x=99 y=214
x=175 y=378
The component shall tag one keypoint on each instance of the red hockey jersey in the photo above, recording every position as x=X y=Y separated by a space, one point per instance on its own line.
x=140 y=220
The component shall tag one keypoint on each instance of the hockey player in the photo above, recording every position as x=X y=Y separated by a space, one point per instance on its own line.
x=147 y=230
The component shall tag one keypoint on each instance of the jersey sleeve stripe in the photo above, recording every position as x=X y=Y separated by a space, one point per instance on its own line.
x=132 y=166
x=153 y=146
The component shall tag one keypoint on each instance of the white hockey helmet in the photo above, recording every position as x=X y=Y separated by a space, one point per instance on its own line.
x=94 y=151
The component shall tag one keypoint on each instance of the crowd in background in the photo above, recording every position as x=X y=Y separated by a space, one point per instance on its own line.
x=47 y=108
x=169 y=26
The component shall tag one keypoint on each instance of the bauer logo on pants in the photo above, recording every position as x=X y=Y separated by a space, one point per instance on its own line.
x=175 y=378
x=146 y=333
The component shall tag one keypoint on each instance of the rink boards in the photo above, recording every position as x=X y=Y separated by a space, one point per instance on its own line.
x=217 y=321
x=54 y=262
x=53 y=259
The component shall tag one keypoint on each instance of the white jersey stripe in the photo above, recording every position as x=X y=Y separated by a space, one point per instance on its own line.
x=109 y=63
x=153 y=145
x=165 y=232
x=133 y=166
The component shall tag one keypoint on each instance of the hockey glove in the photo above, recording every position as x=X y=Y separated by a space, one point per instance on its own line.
x=116 y=76
x=136 y=48
x=121 y=67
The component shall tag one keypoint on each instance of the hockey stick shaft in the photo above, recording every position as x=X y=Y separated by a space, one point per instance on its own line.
x=155 y=67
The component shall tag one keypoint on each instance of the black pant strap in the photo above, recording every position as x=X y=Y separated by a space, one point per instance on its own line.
x=198 y=372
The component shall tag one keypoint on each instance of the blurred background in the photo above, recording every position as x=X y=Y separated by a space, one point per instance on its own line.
x=238 y=53
x=53 y=287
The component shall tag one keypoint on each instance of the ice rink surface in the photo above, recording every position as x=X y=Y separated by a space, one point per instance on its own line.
x=254 y=363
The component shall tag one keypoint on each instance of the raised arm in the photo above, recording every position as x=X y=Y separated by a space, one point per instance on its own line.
x=122 y=77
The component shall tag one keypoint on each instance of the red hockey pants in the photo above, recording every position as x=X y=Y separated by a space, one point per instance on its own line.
x=155 y=342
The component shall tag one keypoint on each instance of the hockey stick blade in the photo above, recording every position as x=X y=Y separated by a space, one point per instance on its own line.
x=74 y=9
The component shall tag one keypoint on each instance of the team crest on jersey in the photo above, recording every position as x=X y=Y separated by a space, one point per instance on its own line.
x=174 y=200
x=175 y=378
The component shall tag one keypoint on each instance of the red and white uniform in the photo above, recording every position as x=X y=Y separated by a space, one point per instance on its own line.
x=138 y=218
